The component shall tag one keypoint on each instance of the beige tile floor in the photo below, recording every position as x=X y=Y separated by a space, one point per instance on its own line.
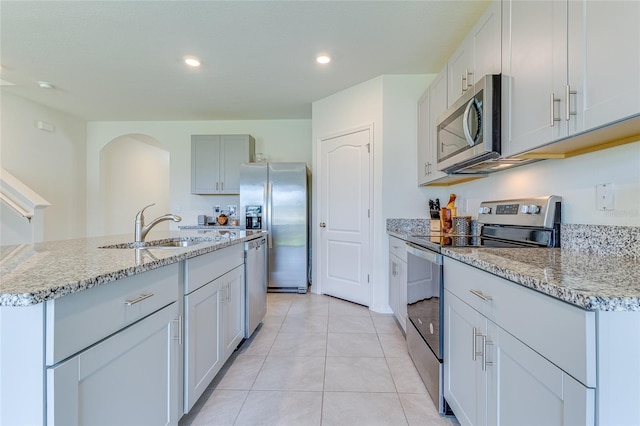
x=318 y=360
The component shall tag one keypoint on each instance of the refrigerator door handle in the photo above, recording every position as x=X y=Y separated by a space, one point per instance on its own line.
x=268 y=218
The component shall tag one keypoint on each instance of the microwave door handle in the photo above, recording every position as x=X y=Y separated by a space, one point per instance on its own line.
x=465 y=122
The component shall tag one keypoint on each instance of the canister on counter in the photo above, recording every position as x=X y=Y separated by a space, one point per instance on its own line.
x=461 y=225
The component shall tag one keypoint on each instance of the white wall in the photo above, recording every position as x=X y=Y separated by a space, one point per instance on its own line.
x=574 y=179
x=50 y=163
x=134 y=173
x=278 y=140
x=389 y=102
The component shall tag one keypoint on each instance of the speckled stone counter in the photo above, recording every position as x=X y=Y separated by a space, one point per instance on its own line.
x=34 y=273
x=408 y=226
x=587 y=280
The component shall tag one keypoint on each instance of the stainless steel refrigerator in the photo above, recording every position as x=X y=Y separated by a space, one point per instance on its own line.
x=274 y=197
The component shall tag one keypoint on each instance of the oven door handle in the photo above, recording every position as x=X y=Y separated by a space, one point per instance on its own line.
x=423 y=253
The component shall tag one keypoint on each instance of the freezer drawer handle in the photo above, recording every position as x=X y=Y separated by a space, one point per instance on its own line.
x=138 y=299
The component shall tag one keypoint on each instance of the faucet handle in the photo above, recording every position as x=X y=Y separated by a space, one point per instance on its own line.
x=139 y=215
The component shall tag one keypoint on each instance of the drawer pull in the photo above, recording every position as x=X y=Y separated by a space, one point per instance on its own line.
x=486 y=343
x=138 y=299
x=480 y=294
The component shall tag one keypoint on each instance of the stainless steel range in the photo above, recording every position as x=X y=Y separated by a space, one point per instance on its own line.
x=517 y=223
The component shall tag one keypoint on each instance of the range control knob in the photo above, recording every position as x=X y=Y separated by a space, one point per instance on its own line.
x=524 y=209
x=484 y=210
x=533 y=209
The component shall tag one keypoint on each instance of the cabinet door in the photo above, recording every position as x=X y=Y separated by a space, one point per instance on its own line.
x=233 y=308
x=205 y=164
x=204 y=354
x=424 y=139
x=130 y=378
x=234 y=150
x=437 y=106
x=393 y=283
x=465 y=383
x=486 y=42
x=604 y=64
x=460 y=71
x=534 y=51
x=525 y=388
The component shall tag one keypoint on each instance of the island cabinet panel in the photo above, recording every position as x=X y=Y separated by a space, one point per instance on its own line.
x=130 y=378
x=78 y=320
x=214 y=312
x=22 y=381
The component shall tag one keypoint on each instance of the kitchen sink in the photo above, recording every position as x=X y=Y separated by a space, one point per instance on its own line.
x=160 y=244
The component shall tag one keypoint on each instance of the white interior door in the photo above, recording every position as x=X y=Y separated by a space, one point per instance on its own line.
x=344 y=216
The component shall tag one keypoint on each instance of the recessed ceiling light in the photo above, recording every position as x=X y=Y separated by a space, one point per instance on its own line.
x=45 y=85
x=323 y=59
x=192 y=61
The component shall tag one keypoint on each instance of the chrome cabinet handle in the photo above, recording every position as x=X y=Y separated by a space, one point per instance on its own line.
x=567 y=110
x=138 y=299
x=481 y=295
x=462 y=84
x=179 y=338
x=476 y=354
x=221 y=186
x=486 y=343
x=553 y=119
x=217 y=187
x=426 y=168
x=468 y=79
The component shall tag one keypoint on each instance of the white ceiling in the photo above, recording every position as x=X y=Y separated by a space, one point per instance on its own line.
x=122 y=60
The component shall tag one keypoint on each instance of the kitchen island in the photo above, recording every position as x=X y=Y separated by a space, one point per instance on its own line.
x=91 y=333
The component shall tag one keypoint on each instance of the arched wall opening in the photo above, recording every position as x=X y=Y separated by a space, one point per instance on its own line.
x=134 y=172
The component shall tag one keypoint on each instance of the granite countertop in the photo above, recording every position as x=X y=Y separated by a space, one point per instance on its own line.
x=597 y=282
x=34 y=273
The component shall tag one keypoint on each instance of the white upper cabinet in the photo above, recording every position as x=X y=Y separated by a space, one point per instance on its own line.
x=603 y=62
x=430 y=106
x=479 y=54
x=215 y=162
x=566 y=70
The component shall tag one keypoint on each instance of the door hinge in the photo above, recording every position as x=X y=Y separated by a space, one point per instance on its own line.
x=369 y=147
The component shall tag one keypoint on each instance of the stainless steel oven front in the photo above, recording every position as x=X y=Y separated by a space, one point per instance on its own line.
x=424 y=312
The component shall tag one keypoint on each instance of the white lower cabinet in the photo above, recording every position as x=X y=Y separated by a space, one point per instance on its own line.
x=495 y=377
x=398 y=280
x=524 y=387
x=130 y=378
x=214 y=326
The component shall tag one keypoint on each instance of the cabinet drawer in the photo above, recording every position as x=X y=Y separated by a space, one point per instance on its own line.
x=207 y=267
x=562 y=333
x=398 y=247
x=79 y=320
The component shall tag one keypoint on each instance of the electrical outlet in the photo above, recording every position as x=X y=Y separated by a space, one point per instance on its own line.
x=232 y=209
x=605 y=197
x=216 y=210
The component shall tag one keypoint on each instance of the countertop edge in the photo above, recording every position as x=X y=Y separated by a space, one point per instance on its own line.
x=55 y=292
x=570 y=296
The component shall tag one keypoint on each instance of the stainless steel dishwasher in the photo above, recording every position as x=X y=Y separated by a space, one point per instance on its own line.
x=255 y=267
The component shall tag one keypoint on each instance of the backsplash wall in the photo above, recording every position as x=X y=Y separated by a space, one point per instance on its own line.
x=574 y=179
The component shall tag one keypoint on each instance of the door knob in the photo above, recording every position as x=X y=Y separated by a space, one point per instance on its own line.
x=323 y=225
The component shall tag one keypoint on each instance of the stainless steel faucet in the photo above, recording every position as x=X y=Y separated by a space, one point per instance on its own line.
x=142 y=230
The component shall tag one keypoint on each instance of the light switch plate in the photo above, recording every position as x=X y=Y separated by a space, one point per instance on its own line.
x=605 y=197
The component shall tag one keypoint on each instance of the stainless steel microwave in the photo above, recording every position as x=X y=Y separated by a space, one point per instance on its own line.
x=469 y=132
